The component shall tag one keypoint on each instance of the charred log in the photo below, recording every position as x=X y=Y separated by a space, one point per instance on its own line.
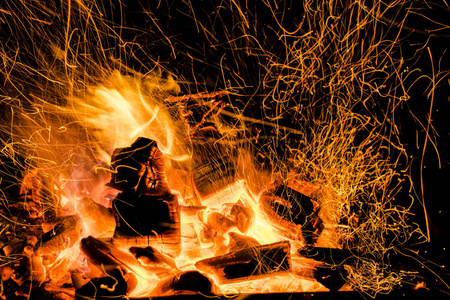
x=142 y=215
x=289 y=209
x=254 y=261
x=145 y=207
x=140 y=167
x=99 y=254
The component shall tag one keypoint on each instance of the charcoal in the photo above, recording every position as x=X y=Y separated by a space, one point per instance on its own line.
x=213 y=228
x=188 y=281
x=62 y=236
x=219 y=222
x=6 y=271
x=254 y=261
x=142 y=215
x=13 y=247
x=77 y=279
x=300 y=205
x=107 y=257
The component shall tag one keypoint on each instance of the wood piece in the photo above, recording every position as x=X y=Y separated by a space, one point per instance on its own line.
x=248 y=263
x=244 y=217
x=108 y=257
x=159 y=263
x=293 y=213
x=62 y=236
x=240 y=241
x=140 y=167
x=99 y=219
x=147 y=214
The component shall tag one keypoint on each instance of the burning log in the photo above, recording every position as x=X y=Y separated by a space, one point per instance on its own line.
x=91 y=212
x=145 y=207
x=217 y=222
x=293 y=213
x=189 y=282
x=150 y=258
x=196 y=109
x=107 y=257
x=213 y=169
x=99 y=254
x=62 y=236
x=212 y=172
x=140 y=167
x=240 y=241
x=249 y=263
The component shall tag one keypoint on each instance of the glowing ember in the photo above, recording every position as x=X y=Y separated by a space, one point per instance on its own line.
x=129 y=170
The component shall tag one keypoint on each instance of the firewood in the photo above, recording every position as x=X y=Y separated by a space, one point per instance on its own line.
x=146 y=212
x=140 y=167
x=108 y=257
x=240 y=241
x=99 y=219
x=244 y=217
x=150 y=258
x=292 y=213
x=62 y=236
x=212 y=172
x=248 y=263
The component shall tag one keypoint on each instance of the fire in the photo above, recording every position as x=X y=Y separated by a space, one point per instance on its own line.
x=124 y=187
